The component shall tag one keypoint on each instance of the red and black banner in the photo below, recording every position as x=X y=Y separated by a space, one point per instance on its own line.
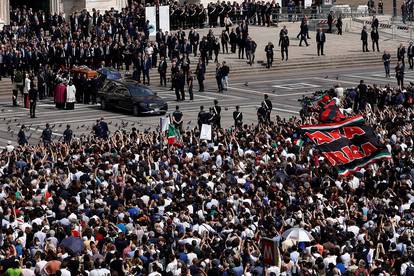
x=349 y=144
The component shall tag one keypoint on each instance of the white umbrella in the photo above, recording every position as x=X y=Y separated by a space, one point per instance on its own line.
x=297 y=234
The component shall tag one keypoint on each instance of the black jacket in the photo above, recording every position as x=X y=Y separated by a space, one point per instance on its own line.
x=320 y=37
x=33 y=94
x=364 y=35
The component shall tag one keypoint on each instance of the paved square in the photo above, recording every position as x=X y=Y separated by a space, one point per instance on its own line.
x=294 y=86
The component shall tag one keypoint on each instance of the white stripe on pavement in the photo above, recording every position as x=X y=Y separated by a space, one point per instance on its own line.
x=270 y=94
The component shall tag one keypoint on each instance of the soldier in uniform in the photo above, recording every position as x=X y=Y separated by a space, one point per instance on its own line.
x=192 y=16
x=67 y=135
x=177 y=119
x=238 y=118
x=267 y=104
x=201 y=14
x=46 y=135
x=182 y=15
x=212 y=19
x=174 y=17
x=216 y=110
x=222 y=13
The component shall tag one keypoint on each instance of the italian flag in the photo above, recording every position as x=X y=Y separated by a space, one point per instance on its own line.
x=173 y=134
x=298 y=143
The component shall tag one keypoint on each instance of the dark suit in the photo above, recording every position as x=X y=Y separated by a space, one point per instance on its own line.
x=284 y=44
x=410 y=55
x=200 y=72
x=364 y=38
x=320 y=41
x=33 y=99
x=401 y=54
x=194 y=40
x=162 y=70
x=374 y=38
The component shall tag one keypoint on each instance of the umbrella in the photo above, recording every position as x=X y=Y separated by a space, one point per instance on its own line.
x=110 y=73
x=73 y=245
x=133 y=212
x=297 y=234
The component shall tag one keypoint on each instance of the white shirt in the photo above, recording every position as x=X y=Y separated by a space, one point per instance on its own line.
x=40 y=265
x=9 y=148
x=71 y=93
x=27 y=272
x=205 y=156
x=294 y=256
x=149 y=50
x=65 y=272
x=191 y=256
x=100 y=272
x=26 y=86
x=41 y=236
x=346 y=259
x=172 y=267
x=339 y=92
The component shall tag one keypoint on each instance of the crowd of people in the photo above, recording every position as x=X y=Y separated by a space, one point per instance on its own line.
x=127 y=203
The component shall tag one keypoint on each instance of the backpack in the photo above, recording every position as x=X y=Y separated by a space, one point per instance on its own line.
x=410 y=270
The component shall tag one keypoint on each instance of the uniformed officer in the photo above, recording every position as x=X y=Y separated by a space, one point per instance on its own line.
x=216 y=110
x=67 y=135
x=201 y=14
x=177 y=119
x=46 y=135
x=267 y=104
x=238 y=117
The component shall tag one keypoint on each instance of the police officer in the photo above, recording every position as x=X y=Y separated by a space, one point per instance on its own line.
x=177 y=118
x=238 y=117
x=267 y=104
x=67 y=135
x=203 y=117
x=46 y=135
x=216 y=110
x=21 y=136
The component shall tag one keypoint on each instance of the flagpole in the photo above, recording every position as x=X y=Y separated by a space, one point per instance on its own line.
x=161 y=136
